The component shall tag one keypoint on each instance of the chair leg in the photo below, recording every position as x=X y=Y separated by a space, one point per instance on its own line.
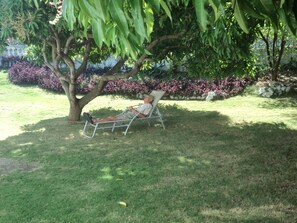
x=148 y=123
x=128 y=126
x=125 y=133
x=113 y=127
x=86 y=123
x=85 y=130
x=160 y=117
x=162 y=122
x=85 y=127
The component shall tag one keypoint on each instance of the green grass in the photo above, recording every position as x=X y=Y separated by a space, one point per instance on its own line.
x=225 y=161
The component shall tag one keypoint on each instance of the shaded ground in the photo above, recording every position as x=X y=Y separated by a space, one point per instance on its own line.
x=202 y=168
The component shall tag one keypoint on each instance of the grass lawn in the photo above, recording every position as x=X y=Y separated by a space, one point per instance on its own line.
x=224 y=161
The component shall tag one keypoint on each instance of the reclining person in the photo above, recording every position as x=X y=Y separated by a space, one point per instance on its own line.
x=141 y=111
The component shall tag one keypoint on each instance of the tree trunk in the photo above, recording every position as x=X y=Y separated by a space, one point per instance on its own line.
x=75 y=107
x=274 y=53
x=74 y=111
x=274 y=74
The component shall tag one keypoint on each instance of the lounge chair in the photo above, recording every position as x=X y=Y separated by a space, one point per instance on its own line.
x=126 y=123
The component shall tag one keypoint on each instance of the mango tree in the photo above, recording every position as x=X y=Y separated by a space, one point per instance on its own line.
x=125 y=27
x=133 y=25
x=46 y=28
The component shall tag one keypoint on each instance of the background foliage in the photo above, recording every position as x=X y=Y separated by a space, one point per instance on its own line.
x=26 y=73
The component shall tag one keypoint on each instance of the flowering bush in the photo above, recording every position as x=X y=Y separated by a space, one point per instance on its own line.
x=49 y=81
x=271 y=88
x=175 y=89
x=180 y=89
x=24 y=73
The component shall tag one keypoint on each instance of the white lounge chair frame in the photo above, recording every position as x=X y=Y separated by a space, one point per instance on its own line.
x=126 y=123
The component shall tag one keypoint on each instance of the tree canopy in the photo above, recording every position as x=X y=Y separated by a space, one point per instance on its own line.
x=131 y=28
x=126 y=24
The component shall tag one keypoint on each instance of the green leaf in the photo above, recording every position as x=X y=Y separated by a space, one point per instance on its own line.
x=249 y=9
x=281 y=3
x=149 y=20
x=118 y=15
x=98 y=31
x=84 y=22
x=101 y=6
x=110 y=34
x=268 y=5
x=135 y=42
x=270 y=11
x=36 y=4
x=288 y=20
x=68 y=14
x=155 y=4
x=201 y=13
x=88 y=9
x=129 y=48
x=186 y=2
x=240 y=17
x=215 y=4
x=166 y=9
x=138 y=18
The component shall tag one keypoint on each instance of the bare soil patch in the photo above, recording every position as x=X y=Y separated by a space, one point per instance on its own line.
x=8 y=166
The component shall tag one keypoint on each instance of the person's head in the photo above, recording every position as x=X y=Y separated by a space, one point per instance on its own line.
x=148 y=98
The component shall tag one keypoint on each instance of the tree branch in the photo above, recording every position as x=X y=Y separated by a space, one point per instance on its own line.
x=84 y=63
x=67 y=44
x=267 y=48
x=57 y=39
x=49 y=65
x=275 y=36
x=79 y=45
x=113 y=75
x=142 y=58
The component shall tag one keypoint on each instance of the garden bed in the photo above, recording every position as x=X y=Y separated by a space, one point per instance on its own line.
x=185 y=89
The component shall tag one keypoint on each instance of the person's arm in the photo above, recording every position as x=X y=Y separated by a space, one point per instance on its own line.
x=137 y=111
x=140 y=115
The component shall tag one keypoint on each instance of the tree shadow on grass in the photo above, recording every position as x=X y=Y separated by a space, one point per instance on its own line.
x=287 y=102
x=200 y=169
x=105 y=112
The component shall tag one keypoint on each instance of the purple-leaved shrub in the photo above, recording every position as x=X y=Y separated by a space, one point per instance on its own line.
x=22 y=73
x=49 y=81
x=180 y=89
x=126 y=87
